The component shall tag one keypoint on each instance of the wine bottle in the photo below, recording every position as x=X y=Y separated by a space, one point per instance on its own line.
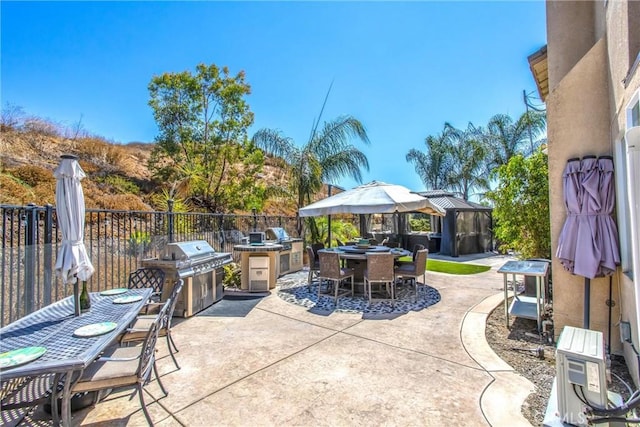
x=85 y=301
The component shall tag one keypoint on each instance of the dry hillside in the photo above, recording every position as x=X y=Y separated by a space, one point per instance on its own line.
x=117 y=174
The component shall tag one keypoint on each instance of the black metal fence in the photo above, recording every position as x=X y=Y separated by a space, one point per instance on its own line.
x=116 y=242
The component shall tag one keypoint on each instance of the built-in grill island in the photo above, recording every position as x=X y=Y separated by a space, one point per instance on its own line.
x=291 y=252
x=263 y=262
x=201 y=268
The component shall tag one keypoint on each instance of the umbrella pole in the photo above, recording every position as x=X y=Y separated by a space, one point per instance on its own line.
x=587 y=294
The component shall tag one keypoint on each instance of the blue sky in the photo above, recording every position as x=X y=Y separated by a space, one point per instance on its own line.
x=402 y=68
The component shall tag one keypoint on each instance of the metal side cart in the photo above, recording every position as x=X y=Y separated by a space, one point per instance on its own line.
x=527 y=307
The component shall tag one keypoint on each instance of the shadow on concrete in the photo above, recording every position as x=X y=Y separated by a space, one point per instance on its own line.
x=232 y=306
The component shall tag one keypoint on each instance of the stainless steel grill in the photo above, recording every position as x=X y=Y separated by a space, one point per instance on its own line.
x=201 y=268
x=193 y=257
x=291 y=254
x=279 y=235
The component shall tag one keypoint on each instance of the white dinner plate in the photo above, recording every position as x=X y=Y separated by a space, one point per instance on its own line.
x=95 y=329
x=116 y=291
x=20 y=356
x=127 y=299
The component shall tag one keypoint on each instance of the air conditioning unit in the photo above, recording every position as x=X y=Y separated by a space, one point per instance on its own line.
x=581 y=380
x=581 y=374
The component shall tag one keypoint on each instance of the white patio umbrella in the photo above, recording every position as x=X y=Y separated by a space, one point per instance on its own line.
x=72 y=262
x=374 y=197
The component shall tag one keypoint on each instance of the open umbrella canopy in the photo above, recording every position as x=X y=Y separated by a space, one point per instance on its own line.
x=374 y=197
x=72 y=262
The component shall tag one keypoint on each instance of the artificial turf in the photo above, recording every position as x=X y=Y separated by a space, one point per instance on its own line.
x=450 y=267
x=455 y=267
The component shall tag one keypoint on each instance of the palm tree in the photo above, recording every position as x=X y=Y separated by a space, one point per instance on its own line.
x=506 y=138
x=469 y=160
x=326 y=157
x=433 y=165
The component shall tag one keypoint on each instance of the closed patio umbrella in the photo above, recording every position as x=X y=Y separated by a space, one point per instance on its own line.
x=588 y=243
x=607 y=229
x=72 y=262
x=566 y=252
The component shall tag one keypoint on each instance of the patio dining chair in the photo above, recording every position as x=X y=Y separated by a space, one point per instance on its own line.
x=335 y=275
x=148 y=277
x=380 y=270
x=138 y=331
x=124 y=367
x=316 y=247
x=314 y=266
x=415 y=269
x=417 y=247
x=18 y=396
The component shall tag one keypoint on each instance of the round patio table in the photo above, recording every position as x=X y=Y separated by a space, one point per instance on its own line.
x=356 y=258
x=357 y=249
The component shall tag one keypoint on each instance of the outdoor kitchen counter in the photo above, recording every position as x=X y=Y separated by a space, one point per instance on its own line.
x=267 y=247
x=259 y=265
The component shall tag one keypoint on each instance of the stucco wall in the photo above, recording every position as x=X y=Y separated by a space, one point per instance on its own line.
x=578 y=125
x=591 y=48
x=571 y=33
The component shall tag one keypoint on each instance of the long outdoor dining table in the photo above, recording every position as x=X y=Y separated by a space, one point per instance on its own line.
x=67 y=355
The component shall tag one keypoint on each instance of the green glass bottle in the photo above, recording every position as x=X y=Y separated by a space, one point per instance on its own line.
x=85 y=301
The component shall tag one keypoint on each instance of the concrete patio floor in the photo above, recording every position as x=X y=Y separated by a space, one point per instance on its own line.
x=282 y=364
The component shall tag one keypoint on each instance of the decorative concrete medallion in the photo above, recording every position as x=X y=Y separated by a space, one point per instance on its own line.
x=293 y=289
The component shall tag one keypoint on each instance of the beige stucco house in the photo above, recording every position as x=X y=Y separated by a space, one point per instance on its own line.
x=589 y=76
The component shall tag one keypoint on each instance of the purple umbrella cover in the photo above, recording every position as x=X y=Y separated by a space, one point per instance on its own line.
x=588 y=250
x=607 y=231
x=566 y=251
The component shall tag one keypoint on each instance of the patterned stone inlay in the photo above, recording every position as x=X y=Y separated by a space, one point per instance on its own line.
x=293 y=289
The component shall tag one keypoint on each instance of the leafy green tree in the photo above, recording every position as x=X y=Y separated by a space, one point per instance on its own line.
x=507 y=138
x=327 y=156
x=521 y=205
x=202 y=145
x=433 y=165
x=341 y=230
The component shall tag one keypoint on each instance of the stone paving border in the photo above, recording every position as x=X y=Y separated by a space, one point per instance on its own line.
x=506 y=381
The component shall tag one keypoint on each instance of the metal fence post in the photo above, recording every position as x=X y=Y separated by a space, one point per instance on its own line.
x=31 y=229
x=170 y=218
x=255 y=218
x=48 y=256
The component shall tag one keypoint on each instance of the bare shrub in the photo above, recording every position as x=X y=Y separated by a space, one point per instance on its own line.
x=76 y=130
x=88 y=167
x=41 y=126
x=44 y=193
x=14 y=192
x=33 y=175
x=123 y=202
x=101 y=152
x=12 y=117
